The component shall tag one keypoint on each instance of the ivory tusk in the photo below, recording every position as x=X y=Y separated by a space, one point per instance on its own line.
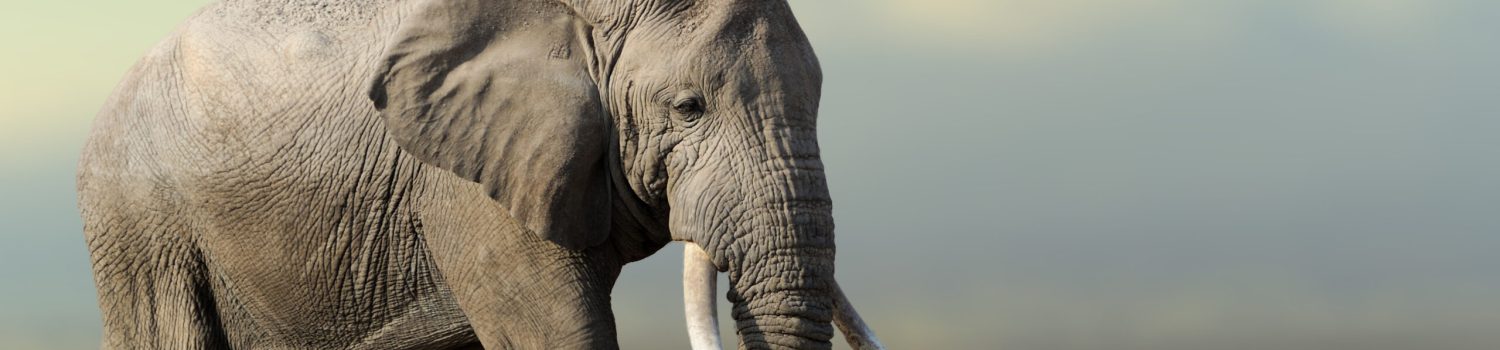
x=699 y=286
x=856 y=332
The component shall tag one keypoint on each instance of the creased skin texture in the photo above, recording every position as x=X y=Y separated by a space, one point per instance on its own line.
x=454 y=174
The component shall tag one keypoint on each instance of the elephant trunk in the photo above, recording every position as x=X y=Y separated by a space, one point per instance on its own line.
x=782 y=287
x=771 y=230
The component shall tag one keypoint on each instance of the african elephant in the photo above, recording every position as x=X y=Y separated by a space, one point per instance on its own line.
x=431 y=174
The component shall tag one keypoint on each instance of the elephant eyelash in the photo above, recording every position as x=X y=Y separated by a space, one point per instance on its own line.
x=688 y=106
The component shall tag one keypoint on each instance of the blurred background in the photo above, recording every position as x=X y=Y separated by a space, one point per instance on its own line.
x=1011 y=174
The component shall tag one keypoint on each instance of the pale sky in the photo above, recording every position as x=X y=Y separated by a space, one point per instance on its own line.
x=1063 y=174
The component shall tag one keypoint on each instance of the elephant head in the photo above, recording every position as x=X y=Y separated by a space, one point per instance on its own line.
x=696 y=116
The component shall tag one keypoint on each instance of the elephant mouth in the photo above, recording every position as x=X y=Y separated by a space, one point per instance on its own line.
x=700 y=301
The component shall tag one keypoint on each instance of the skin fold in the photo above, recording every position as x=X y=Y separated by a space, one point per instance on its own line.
x=452 y=174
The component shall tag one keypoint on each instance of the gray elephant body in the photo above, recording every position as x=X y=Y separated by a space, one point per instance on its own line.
x=241 y=190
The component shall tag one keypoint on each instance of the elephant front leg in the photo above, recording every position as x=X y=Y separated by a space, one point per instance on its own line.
x=519 y=291
x=531 y=295
x=152 y=296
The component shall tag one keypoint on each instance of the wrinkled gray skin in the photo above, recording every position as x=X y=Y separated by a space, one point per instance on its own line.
x=418 y=174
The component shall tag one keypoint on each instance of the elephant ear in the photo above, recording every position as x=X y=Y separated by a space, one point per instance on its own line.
x=499 y=92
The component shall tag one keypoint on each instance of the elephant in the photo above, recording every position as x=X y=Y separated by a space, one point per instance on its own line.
x=461 y=174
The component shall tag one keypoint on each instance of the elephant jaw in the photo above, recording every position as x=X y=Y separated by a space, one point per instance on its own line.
x=699 y=289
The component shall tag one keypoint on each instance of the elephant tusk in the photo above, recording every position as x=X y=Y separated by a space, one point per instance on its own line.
x=699 y=286
x=856 y=332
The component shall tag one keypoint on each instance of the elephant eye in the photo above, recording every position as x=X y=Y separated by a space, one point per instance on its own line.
x=688 y=105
